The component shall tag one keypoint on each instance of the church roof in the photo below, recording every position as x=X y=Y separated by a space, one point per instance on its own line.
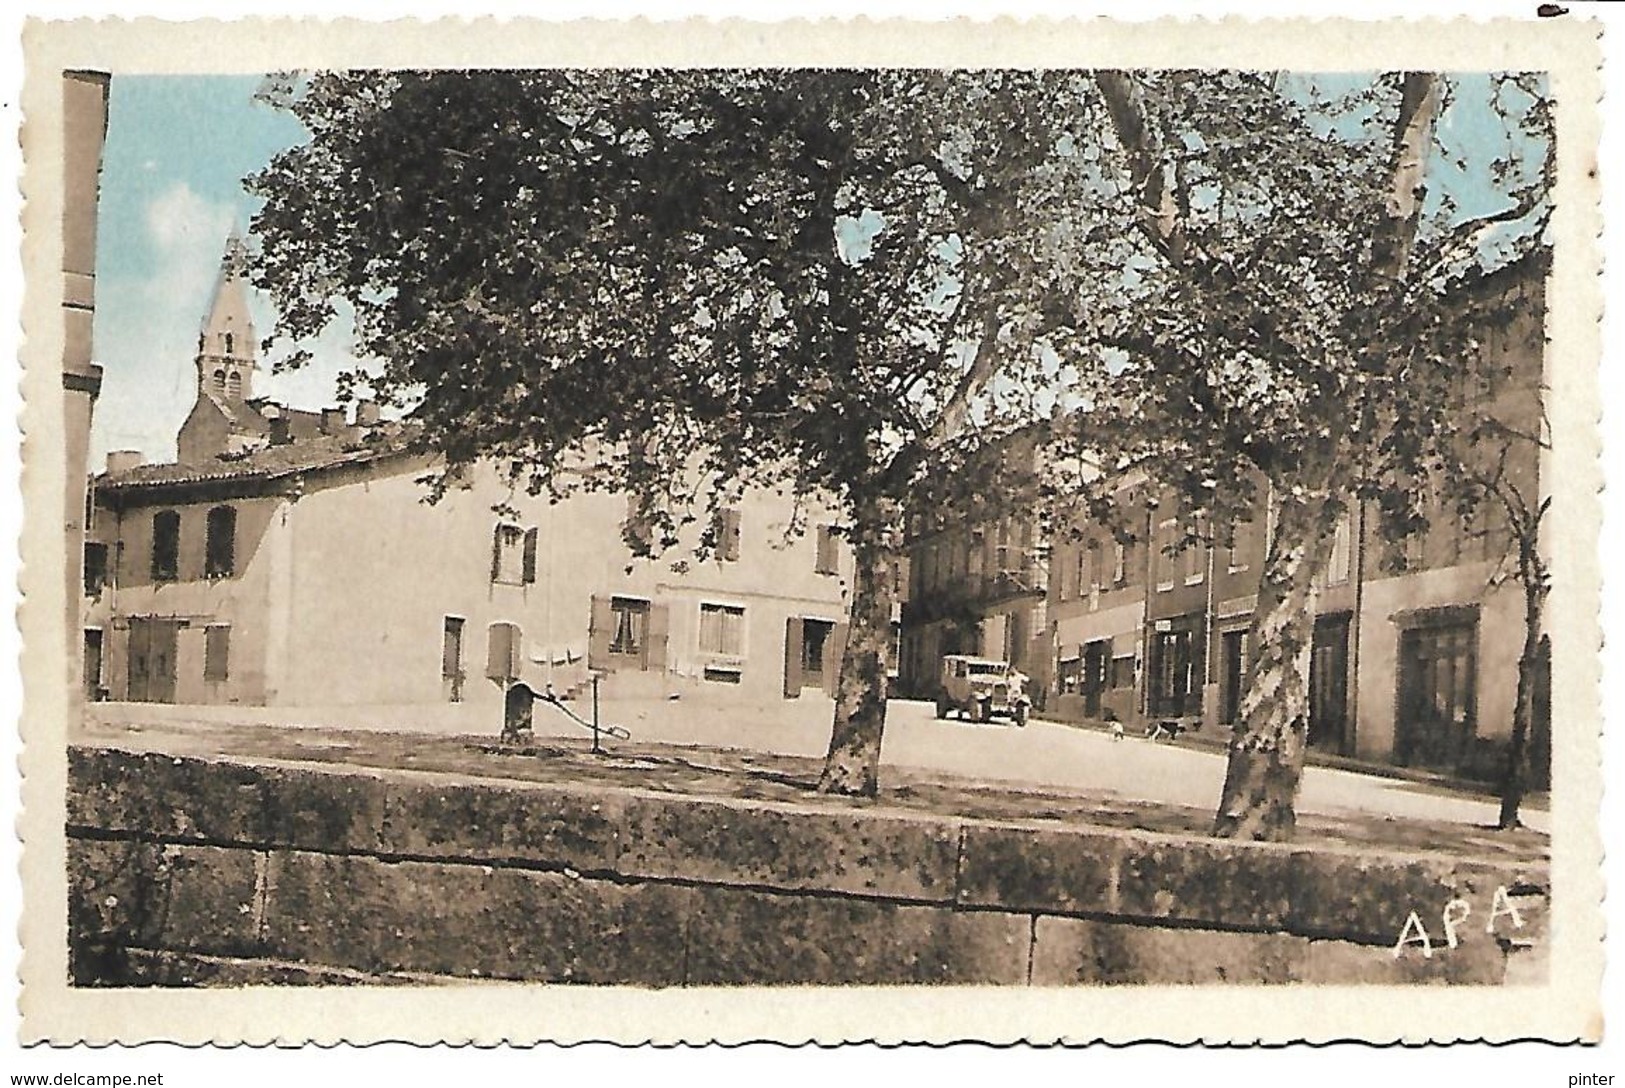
x=229 y=310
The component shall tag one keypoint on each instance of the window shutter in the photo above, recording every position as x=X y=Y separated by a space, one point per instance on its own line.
x=834 y=651
x=496 y=552
x=792 y=657
x=530 y=557
x=654 y=654
x=216 y=652
x=502 y=655
x=730 y=534
x=600 y=629
x=828 y=556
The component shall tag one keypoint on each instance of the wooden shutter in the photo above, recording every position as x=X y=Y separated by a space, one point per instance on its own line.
x=828 y=556
x=502 y=654
x=530 y=557
x=730 y=534
x=216 y=652
x=834 y=651
x=659 y=635
x=792 y=657
x=496 y=552
x=600 y=629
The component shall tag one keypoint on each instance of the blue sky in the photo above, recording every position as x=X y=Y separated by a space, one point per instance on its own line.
x=176 y=153
x=177 y=150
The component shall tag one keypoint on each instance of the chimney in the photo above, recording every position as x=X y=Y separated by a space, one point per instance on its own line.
x=368 y=413
x=280 y=435
x=333 y=421
x=122 y=460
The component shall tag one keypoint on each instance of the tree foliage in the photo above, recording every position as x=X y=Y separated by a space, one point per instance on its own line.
x=1295 y=329
x=857 y=283
x=842 y=282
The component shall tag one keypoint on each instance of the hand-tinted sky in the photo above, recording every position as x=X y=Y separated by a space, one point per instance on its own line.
x=176 y=153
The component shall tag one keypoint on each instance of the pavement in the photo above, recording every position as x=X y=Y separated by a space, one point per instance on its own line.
x=1042 y=754
x=1050 y=754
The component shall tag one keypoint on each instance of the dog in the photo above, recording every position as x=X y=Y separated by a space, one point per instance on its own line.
x=1110 y=717
x=1168 y=729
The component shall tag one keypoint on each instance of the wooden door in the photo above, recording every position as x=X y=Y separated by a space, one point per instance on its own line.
x=1096 y=656
x=1438 y=695
x=152 y=659
x=1232 y=665
x=93 y=664
x=1329 y=684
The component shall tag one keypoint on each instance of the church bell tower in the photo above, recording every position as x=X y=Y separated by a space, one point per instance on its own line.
x=226 y=343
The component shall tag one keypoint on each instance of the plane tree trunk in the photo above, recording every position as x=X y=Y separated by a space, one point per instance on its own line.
x=1516 y=781
x=852 y=765
x=1267 y=745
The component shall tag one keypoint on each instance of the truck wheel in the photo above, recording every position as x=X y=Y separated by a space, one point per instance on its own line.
x=984 y=710
x=942 y=709
x=1020 y=716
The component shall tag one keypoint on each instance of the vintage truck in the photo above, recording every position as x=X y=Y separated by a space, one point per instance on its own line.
x=980 y=688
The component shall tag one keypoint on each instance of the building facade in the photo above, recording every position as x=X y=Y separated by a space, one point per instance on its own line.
x=1416 y=640
x=976 y=588
x=288 y=558
x=84 y=122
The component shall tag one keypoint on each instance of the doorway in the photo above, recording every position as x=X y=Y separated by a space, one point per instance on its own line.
x=1438 y=695
x=1329 y=684
x=93 y=664
x=1096 y=656
x=152 y=659
x=1232 y=671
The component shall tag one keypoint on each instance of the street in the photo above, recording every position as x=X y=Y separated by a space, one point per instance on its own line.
x=1040 y=754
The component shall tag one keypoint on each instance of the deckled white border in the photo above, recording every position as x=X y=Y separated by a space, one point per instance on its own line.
x=1567 y=1008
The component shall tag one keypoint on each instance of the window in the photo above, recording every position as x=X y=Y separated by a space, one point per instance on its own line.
x=1119 y=563
x=513 y=555
x=1085 y=572
x=1165 y=557
x=234 y=385
x=1067 y=676
x=220 y=381
x=1095 y=572
x=1241 y=543
x=814 y=637
x=1337 y=567
x=216 y=652
x=228 y=343
x=1123 y=671
x=166 y=546
x=451 y=659
x=722 y=630
x=629 y=629
x=829 y=555
x=220 y=543
x=725 y=527
x=1195 y=556
x=95 y=568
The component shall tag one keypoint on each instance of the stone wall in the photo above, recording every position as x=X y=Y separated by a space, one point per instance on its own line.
x=200 y=872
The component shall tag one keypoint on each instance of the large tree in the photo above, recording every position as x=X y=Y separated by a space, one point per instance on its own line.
x=1292 y=331
x=857 y=283
x=846 y=283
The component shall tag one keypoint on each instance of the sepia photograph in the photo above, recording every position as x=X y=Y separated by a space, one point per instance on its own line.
x=1096 y=532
